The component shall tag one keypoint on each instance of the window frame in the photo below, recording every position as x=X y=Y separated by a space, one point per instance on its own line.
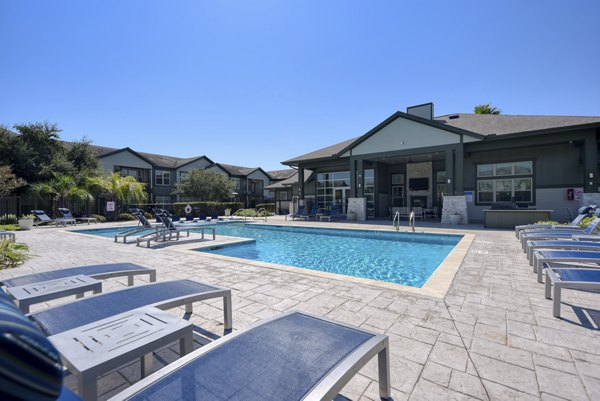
x=161 y=174
x=494 y=179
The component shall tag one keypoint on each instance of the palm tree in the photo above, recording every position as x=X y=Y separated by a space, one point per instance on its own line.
x=486 y=109
x=120 y=189
x=62 y=188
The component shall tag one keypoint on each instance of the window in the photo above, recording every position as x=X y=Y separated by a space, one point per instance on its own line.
x=162 y=178
x=283 y=195
x=141 y=175
x=369 y=187
x=440 y=184
x=182 y=174
x=162 y=199
x=397 y=190
x=236 y=180
x=333 y=188
x=514 y=182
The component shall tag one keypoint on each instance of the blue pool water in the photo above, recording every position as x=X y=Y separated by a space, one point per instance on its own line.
x=401 y=258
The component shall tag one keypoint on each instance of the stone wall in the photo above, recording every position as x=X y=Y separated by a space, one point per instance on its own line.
x=358 y=206
x=455 y=204
x=420 y=170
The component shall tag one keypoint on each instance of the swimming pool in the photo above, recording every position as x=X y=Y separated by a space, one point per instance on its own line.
x=400 y=258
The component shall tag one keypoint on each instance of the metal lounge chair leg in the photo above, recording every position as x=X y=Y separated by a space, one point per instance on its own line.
x=186 y=344
x=153 y=276
x=227 y=311
x=383 y=361
x=87 y=387
x=556 y=304
x=146 y=364
x=189 y=308
x=548 y=292
x=130 y=280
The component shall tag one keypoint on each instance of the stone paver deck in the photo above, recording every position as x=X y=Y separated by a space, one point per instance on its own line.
x=492 y=337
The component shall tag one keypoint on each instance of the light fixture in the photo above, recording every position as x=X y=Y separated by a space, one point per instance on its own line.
x=591 y=175
x=449 y=181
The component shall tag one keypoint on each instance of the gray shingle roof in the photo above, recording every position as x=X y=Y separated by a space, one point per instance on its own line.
x=290 y=180
x=281 y=174
x=502 y=124
x=324 y=152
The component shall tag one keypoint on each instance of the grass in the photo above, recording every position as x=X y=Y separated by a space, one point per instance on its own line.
x=9 y=227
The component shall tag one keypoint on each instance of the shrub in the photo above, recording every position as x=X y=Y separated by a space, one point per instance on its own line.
x=99 y=218
x=9 y=227
x=206 y=208
x=549 y=222
x=270 y=207
x=9 y=219
x=12 y=254
x=148 y=215
x=586 y=222
x=126 y=217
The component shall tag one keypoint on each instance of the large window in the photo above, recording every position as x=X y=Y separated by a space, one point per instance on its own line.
x=162 y=178
x=333 y=188
x=369 y=188
x=505 y=182
x=140 y=174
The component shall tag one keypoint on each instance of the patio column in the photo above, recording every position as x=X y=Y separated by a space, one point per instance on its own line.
x=360 y=180
x=591 y=164
x=300 y=183
x=459 y=158
x=450 y=176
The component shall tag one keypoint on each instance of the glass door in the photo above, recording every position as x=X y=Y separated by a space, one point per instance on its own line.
x=397 y=190
x=340 y=198
x=369 y=188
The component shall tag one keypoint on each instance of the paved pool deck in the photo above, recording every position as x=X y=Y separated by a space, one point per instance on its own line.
x=491 y=337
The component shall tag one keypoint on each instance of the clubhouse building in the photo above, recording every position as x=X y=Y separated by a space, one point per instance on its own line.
x=467 y=162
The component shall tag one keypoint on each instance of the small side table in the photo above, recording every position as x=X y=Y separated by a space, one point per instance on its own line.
x=29 y=294
x=96 y=348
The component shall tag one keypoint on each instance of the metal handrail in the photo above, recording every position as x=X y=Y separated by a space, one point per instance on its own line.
x=411 y=221
x=262 y=210
x=236 y=214
x=396 y=219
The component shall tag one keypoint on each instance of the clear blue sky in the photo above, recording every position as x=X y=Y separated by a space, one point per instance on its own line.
x=257 y=82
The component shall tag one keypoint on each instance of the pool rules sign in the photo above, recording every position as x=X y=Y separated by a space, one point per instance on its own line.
x=110 y=206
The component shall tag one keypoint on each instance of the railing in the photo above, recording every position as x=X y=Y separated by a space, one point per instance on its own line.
x=396 y=221
x=264 y=212
x=411 y=221
x=237 y=213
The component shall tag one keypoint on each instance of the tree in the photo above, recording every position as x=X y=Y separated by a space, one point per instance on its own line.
x=486 y=109
x=62 y=188
x=205 y=185
x=120 y=189
x=9 y=182
x=82 y=158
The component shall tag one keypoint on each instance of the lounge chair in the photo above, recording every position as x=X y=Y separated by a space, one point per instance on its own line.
x=294 y=356
x=169 y=229
x=163 y=295
x=40 y=287
x=66 y=213
x=143 y=225
x=313 y=213
x=42 y=218
x=557 y=233
x=333 y=213
x=540 y=258
x=583 y=212
x=564 y=244
x=299 y=213
x=570 y=278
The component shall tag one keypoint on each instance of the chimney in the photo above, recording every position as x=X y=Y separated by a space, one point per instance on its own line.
x=422 y=110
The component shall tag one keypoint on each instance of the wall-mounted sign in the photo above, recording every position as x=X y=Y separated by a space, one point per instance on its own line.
x=110 y=206
x=469 y=196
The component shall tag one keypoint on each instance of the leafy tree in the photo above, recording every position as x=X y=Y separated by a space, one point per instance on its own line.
x=9 y=182
x=62 y=188
x=205 y=185
x=82 y=158
x=486 y=109
x=120 y=189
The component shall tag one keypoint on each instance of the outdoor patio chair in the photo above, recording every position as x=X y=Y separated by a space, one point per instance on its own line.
x=169 y=229
x=163 y=295
x=40 y=287
x=569 y=278
x=559 y=233
x=542 y=257
x=299 y=213
x=42 y=218
x=143 y=225
x=313 y=213
x=333 y=213
x=583 y=212
x=560 y=244
x=66 y=213
x=294 y=356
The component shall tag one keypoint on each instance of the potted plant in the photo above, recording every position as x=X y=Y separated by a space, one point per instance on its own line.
x=454 y=218
x=26 y=221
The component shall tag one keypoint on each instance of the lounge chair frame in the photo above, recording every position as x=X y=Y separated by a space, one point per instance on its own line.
x=553 y=279
x=560 y=244
x=539 y=260
x=326 y=389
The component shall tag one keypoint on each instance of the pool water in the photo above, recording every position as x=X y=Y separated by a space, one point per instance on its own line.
x=400 y=258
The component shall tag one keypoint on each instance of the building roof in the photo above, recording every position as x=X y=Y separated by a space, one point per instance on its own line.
x=288 y=182
x=502 y=124
x=152 y=158
x=475 y=125
x=282 y=174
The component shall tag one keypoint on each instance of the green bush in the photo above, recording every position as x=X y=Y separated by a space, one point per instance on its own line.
x=206 y=208
x=270 y=207
x=10 y=227
x=148 y=215
x=586 y=222
x=9 y=219
x=99 y=218
x=12 y=254
x=549 y=222
x=126 y=217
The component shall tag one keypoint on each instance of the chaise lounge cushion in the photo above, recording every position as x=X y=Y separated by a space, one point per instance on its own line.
x=30 y=366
